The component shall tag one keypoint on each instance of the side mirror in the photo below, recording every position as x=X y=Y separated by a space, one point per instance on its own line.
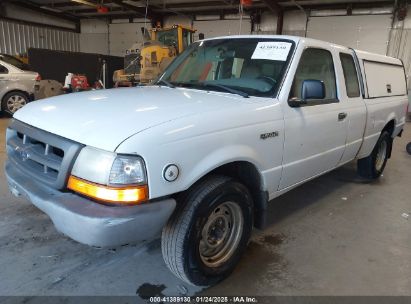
x=312 y=89
x=296 y=102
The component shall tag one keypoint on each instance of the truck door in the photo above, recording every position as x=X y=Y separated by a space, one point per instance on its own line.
x=354 y=105
x=315 y=131
x=4 y=79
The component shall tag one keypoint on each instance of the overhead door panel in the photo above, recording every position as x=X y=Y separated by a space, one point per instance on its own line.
x=122 y=36
x=366 y=32
x=216 y=28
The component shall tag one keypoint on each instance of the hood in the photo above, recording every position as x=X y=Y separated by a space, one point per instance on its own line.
x=105 y=118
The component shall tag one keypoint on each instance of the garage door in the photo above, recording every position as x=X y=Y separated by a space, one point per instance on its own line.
x=122 y=36
x=217 y=28
x=367 y=32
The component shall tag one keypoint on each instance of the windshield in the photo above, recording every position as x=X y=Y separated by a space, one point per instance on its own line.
x=15 y=62
x=254 y=66
x=167 y=37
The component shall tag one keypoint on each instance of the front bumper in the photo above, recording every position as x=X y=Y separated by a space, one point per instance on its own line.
x=88 y=222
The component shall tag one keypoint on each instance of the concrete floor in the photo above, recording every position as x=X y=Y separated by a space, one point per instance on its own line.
x=332 y=236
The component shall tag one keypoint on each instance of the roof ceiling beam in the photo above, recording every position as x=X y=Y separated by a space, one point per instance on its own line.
x=328 y=2
x=90 y=10
x=138 y=10
x=343 y=5
x=35 y=7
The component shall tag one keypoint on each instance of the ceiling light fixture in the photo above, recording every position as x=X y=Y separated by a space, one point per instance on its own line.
x=101 y=9
x=51 y=9
x=85 y=2
x=134 y=3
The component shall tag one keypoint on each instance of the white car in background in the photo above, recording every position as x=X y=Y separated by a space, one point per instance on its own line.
x=16 y=84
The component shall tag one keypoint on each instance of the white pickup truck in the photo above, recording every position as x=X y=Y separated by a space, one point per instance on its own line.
x=233 y=123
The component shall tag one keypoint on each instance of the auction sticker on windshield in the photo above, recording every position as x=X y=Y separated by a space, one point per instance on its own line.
x=272 y=50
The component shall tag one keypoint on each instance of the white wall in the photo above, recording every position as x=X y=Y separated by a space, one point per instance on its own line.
x=368 y=32
x=94 y=36
x=375 y=33
x=268 y=24
x=400 y=46
x=218 y=28
x=98 y=36
x=294 y=23
x=123 y=35
x=212 y=26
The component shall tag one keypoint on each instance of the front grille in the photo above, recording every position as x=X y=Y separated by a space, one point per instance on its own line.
x=40 y=154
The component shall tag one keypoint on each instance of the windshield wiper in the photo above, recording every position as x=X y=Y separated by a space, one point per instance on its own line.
x=227 y=89
x=195 y=84
x=168 y=84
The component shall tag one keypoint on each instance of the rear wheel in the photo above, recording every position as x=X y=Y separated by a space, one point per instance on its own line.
x=408 y=147
x=13 y=101
x=204 y=240
x=371 y=167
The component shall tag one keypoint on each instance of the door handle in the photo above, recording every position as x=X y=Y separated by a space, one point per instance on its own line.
x=342 y=116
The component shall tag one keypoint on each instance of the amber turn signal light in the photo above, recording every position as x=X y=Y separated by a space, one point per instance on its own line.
x=123 y=196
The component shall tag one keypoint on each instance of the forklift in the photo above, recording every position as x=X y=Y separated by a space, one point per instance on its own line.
x=144 y=63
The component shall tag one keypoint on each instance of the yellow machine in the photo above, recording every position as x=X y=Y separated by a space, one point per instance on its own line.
x=144 y=64
x=22 y=58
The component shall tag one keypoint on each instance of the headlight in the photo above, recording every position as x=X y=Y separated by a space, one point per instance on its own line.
x=109 y=177
x=127 y=170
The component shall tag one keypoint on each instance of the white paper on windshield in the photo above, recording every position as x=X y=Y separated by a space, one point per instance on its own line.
x=272 y=50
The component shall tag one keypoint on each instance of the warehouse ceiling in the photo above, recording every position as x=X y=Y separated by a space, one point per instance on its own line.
x=80 y=9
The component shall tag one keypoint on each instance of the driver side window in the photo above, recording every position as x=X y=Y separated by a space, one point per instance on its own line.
x=315 y=64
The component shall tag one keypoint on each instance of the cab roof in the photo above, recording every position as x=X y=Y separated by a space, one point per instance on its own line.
x=360 y=54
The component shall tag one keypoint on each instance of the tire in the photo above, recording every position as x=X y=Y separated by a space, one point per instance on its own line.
x=408 y=147
x=13 y=101
x=213 y=203
x=371 y=167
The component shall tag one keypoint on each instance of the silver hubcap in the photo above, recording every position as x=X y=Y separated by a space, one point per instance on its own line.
x=15 y=102
x=381 y=155
x=221 y=234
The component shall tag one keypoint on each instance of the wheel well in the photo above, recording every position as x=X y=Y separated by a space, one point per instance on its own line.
x=389 y=127
x=3 y=106
x=249 y=176
x=18 y=91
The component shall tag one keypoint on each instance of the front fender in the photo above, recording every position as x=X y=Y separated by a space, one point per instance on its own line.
x=13 y=85
x=223 y=156
x=199 y=144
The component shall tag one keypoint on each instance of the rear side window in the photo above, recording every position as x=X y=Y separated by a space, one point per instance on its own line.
x=3 y=69
x=315 y=64
x=350 y=75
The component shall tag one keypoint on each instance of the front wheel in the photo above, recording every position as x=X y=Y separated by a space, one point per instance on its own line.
x=13 y=101
x=371 y=167
x=204 y=240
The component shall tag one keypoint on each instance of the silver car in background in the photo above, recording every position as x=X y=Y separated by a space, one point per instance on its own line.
x=16 y=84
